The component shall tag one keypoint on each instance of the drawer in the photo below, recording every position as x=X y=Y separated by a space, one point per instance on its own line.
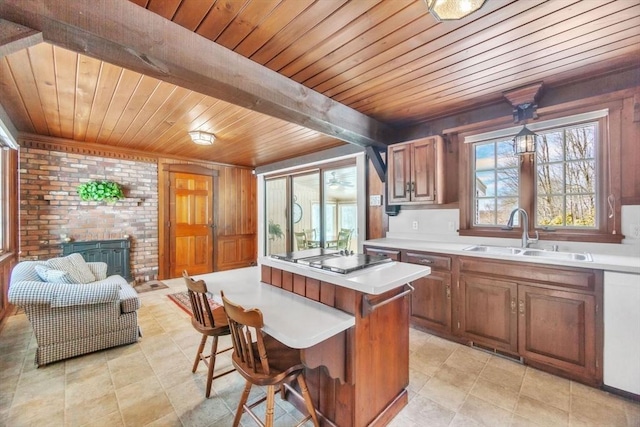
x=434 y=261
x=391 y=253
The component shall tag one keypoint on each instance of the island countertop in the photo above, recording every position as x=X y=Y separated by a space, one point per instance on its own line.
x=292 y=319
x=374 y=280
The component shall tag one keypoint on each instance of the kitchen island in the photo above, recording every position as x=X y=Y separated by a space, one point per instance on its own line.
x=357 y=377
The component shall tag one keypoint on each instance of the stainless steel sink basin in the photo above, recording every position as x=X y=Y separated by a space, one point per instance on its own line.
x=558 y=255
x=494 y=249
x=502 y=250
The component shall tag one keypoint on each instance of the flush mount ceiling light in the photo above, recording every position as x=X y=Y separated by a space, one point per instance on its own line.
x=202 y=138
x=449 y=10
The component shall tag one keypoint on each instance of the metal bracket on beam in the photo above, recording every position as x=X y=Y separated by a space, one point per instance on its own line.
x=378 y=163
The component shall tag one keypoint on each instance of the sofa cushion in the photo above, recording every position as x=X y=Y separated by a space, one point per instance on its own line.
x=51 y=275
x=75 y=265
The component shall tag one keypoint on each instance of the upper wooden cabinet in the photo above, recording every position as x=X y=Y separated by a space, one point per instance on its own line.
x=415 y=172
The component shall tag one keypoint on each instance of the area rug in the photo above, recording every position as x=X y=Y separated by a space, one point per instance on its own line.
x=182 y=300
x=152 y=285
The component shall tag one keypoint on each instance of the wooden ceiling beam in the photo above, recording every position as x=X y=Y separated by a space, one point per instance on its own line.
x=124 y=34
x=15 y=37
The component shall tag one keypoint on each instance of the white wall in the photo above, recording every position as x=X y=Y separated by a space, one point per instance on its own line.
x=442 y=224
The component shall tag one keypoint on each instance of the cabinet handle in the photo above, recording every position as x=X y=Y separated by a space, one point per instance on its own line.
x=521 y=304
x=413 y=187
x=408 y=187
x=513 y=306
x=448 y=291
x=425 y=261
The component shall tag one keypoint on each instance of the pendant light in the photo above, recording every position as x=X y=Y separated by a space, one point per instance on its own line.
x=449 y=10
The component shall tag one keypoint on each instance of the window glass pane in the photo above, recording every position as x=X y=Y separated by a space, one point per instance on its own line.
x=306 y=228
x=341 y=214
x=485 y=156
x=566 y=177
x=496 y=183
x=4 y=204
x=276 y=215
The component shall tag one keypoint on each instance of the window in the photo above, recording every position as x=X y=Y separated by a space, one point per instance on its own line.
x=563 y=187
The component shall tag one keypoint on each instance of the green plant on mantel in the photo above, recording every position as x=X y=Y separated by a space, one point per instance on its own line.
x=99 y=191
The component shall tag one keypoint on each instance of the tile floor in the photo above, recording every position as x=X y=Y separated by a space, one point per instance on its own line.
x=150 y=383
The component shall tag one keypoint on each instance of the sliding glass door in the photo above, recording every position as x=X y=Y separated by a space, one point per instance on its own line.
x=312 y=209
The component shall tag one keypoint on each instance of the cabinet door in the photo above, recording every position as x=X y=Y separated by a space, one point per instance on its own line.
x=431 y=302
x=488 y=313
x=398 y=173
x=423 y=173
x=558 y=328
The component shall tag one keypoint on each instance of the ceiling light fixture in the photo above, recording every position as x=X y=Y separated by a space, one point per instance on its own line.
x=202 y=138
x=449 y=10
x=524 y=105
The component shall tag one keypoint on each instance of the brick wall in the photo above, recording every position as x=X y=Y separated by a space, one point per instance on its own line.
x=50 y=206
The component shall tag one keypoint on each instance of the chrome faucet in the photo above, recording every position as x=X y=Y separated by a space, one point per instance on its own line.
x=526 y=240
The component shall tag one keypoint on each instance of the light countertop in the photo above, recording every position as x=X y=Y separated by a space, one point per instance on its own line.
x=625 y=264
x=290 y=318
x=373 y=280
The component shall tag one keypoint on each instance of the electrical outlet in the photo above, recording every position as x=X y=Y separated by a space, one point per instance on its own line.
x=414 y=225
x=635 y=231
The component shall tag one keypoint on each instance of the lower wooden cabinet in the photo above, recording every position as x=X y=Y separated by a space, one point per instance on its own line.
x=431 y=302
x=548 y=316
x=391 y=253
x=488 y=312
x=558 y=328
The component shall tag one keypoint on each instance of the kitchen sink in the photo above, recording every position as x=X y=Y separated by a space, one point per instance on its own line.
x=494 y=249
x=558 y=255
x=539 y=253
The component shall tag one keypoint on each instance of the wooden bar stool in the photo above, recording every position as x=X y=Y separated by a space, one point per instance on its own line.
x=264 y=361
x=210 y=323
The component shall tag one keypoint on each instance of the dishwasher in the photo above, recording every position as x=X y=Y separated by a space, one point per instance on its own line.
x=622 y=331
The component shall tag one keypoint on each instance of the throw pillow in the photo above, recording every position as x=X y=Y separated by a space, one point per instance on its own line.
x=75 y=265
x=50 y=275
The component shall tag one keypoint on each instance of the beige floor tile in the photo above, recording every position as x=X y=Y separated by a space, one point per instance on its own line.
x=422 y=411
x=417 y=380
x=11 y=364
x=547 y=388
x=540 y=412
x=632 y=409
x=92 y=386
x=503 y=397
x=38 y=411
x=485 y=413
x=467 y=360
x=444 y=393
x=463 y=421
x=114 y=419
x=170 y=420
x=143 y=402
x=519 y=421
x=429 y=357
x=98 y=358
x=83 y=411
x=510 y=379
x=462 y=380
x=506 y=364
x=47 y=389
x=596 y=395
x=193 y=408
x=129 y=369
x=586 y=412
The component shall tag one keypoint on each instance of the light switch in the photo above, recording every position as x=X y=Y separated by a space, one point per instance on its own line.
x=375 y=200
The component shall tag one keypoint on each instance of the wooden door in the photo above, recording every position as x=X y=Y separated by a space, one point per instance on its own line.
x=191 y=223
x=558 y=328
x=488 y=313
x=431 y=302
x=399 y=173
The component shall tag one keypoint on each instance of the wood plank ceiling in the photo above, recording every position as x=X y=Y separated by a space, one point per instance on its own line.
x=388 y=59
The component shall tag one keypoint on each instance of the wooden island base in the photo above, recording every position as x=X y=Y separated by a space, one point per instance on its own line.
x=358 y=377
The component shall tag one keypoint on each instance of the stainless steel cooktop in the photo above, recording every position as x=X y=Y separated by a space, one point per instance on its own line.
x=342 y=262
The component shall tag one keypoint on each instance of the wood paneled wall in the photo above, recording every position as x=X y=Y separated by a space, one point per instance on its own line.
x=236 y=218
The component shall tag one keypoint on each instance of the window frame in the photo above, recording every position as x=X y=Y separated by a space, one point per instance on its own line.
x=607 y=186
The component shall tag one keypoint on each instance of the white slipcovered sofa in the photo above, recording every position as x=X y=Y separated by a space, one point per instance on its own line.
x=73 y=307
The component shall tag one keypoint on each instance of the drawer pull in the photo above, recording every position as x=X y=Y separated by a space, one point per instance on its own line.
x=448 y=291
x=521 y=307
x=513 y=306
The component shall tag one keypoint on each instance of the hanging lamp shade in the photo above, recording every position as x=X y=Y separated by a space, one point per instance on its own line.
x=449 y=10
x=524 y=142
